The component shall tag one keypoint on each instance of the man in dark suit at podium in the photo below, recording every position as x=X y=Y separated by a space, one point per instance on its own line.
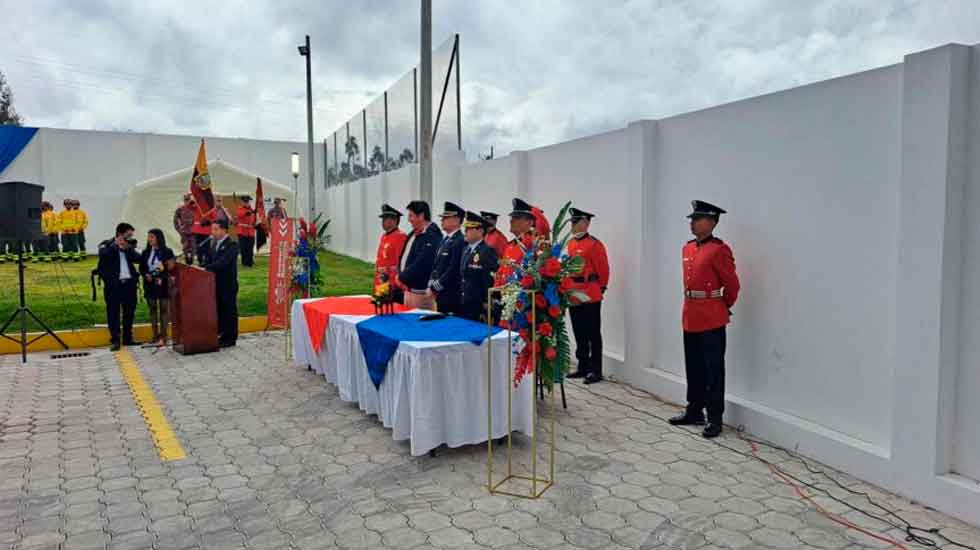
x=221 y=258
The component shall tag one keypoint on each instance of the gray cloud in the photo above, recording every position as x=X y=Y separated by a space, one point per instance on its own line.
x=533 y=72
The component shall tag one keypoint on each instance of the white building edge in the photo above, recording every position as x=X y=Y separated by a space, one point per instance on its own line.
x=855 y=340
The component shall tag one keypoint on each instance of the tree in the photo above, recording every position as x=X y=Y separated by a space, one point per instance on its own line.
x=8 y=116
x=352 y=150
x=406 y=157
x=377 y=161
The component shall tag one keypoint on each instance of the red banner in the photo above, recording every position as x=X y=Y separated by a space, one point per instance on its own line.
x=282 y=243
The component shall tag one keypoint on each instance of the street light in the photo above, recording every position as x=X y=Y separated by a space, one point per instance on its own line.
x=294 y=168
x=304 y=50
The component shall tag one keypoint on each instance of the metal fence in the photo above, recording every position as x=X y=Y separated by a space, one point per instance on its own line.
x=384 y=135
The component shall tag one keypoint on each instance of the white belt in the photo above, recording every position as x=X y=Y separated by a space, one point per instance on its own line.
x=704 y=294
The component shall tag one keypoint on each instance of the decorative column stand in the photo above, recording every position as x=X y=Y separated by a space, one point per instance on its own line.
x=517 y=483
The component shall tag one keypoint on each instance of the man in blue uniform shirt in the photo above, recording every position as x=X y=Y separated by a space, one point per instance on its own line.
x=444 y=281
x=477 y=268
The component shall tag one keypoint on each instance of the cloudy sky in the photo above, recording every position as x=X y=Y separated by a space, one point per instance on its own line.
x=534 y=72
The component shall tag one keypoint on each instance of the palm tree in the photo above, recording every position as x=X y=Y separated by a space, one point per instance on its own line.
x=406 y=157
x=377 y=162
x=352 y=150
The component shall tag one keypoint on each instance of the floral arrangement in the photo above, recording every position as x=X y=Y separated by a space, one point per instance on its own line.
x=540 y=287
x=312 y=240
x=382 y=297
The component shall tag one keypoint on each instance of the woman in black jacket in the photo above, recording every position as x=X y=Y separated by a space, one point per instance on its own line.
x=156 y=265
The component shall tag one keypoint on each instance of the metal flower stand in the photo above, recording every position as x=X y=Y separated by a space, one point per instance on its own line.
x=520 y=480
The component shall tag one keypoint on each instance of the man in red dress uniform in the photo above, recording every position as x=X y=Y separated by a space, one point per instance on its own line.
x=592 y=280
x=246 y=220
x=494 y=238
x=522 y=226
x=710 y=290
x=390 y=246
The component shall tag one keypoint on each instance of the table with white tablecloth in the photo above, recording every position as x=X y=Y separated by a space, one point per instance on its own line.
x=433 y=393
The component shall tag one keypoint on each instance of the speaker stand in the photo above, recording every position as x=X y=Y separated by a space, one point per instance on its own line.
x=23 y=312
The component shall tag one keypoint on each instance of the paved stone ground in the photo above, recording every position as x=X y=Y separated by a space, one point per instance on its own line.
x=277 y=460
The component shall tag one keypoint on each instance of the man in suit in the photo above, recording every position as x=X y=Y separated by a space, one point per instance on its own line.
x=117 y=268
x=477 y=267
x=444 y=281
x=418 y=256
x=221 y=258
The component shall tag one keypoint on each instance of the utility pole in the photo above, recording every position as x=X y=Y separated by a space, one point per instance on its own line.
x=304 y=50
x=425 y=160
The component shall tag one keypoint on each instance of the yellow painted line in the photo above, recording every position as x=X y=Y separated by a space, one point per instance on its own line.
x=99 y=337
x=163 y=435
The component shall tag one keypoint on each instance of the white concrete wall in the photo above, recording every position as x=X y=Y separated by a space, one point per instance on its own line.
x=966 y=437
x=851 y=206
x=98 y=168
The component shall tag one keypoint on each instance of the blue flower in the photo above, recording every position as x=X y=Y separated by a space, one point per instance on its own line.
x=551 y=294
x=556 y=251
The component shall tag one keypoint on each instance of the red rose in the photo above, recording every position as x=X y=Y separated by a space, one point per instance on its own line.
x=544 y=329
x=565 y=285
x=504 y=324
x=540 y=301
x=527 y=281
x=554 y=311
x=523 y=333
x=551 y=268
x=550 y=354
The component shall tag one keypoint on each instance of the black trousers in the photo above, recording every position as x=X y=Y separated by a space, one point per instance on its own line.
x=227 y=316
x=120 y=298
x=587 y=328
x=53 y=243
x=198 y=253
x=704 y=363
x=447 y=308
x=246 y=246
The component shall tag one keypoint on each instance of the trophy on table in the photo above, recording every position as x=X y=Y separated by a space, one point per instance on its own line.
x=383 y=298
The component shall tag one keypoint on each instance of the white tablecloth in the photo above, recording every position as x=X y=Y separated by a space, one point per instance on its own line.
x=433 y=392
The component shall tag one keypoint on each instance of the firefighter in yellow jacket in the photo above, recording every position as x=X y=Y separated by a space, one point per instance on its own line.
x=82 y=219
x=68 y=222
x=50 y=226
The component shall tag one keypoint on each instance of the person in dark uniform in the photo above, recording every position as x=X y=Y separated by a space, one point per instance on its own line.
x=221 y=258
x=494 y=237
x=118 y=260
x=591 y=281
x=710 y=289
x=444 y=280
x=477 y=268
x=418 y=255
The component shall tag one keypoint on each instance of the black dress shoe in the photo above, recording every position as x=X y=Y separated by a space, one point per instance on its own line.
x=226 y=344
x=576 y=374
x=592 y=378
x=114 y=347
x=712 y=430
x=686 y=419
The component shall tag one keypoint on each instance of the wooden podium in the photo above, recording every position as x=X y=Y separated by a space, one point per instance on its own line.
x=194 y=311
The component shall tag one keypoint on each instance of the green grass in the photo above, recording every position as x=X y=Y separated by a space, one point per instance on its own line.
x=61 y=294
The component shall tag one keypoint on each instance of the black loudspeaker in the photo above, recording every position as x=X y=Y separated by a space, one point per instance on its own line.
x=20 y=211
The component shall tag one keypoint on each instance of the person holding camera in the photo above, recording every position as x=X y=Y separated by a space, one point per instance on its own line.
x=118 y=258
x=156 y=263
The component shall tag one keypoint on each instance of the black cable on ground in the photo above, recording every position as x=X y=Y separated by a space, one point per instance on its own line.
x=905 y=526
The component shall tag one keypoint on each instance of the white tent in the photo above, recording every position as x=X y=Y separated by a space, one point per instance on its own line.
x=151 y=203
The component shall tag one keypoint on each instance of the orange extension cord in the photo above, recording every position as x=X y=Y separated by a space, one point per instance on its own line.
x=799 y=491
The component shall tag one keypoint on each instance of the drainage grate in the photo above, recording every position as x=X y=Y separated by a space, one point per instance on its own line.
x=70 y=355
